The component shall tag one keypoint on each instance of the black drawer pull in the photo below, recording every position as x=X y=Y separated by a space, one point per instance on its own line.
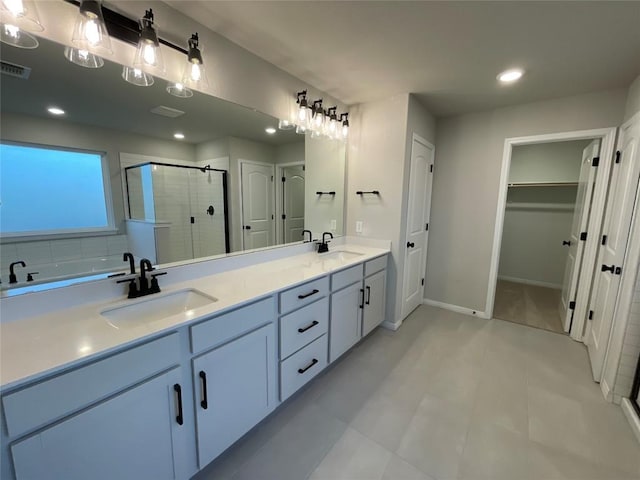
x=178 y=390
x=313 y=324
x=368 y=295
x=410 y=244
x=203 y=380
x=312 y=292
x=361 y=298
x=313 y=362
x=566 y=242
x=608 y=269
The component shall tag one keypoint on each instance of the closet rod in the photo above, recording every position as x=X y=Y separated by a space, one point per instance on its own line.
x=543 y=184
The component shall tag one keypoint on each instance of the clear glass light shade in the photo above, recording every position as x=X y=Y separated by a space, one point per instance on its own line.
x=286 y=124
x=90 y=32
x=317 y=122
x=344 y=131
x=301 y=130
x=83 y=58
x=21 y=14
x=177 y=89
x=195 y=75
x=289 y=122
x=303 y=118
x=135 y=76
x=16 y=37
x=148 y=57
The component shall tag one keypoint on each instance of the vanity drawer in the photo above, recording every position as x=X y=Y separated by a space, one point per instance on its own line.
x=304 y=294
x=375 y=265
x=228 y=326
x=302 y=366
x=303 y=326
x=59 y=396
x=346 y=277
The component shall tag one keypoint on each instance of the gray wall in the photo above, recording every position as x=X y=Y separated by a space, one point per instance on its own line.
x=466 y=184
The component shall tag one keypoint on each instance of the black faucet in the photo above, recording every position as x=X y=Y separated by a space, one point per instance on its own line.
x=12 y=275
x=310 y=235
x=145 y=267
x=132 y=267
x=324 y=246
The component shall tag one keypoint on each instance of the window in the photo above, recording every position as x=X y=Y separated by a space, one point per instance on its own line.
x=46 y=191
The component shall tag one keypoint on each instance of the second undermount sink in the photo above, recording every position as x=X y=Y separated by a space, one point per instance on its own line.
x=341 y=255
x=155 y=308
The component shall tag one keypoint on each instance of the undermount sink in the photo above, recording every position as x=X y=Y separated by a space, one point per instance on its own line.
x=342 y=255
x=156 y=308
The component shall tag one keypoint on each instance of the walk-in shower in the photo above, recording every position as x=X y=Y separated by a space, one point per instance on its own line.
x=177 y=212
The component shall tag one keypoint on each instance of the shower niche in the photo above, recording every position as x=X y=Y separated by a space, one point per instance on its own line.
x=176 y=212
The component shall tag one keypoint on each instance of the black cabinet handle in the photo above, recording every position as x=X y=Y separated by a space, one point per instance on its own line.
x=178 y=390
x=368 y=295
x=608 y=269
x=566 y=242
x=313 y=324
x=203 y=380
x=247 y=227
x=410 y=244
x=313 y=362
x=313 y=292
x=361 y=298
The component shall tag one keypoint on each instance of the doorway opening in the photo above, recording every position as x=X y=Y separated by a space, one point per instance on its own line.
x=549 y=219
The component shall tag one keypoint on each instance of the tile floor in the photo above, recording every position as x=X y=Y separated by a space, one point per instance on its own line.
x=445 y=397
x=528 y=305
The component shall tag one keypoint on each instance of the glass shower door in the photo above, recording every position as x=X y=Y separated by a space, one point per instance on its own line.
x=208 y=225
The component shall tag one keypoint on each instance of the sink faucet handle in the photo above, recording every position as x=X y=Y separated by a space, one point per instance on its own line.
x=133 y=288
x=30 y=276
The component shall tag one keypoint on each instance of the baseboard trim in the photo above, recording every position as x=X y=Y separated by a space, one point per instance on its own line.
x=456 y=308
x=535 y=283
x=633 y=419
x=391 y=325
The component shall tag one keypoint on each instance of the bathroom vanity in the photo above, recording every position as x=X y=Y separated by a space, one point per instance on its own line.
x=159 y=387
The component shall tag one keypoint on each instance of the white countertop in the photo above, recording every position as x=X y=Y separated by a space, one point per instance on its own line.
x=43 y=344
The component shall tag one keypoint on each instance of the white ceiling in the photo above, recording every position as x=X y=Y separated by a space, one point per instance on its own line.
x=448 y=53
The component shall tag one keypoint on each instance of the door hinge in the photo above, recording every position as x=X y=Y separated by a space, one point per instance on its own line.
x=590 y=314
x=595 y=162
x=604 y=240
x=193 y=219
x=572 y=305
x=583 y=236
x=426 y=227
x=284 y=179
x=431 y=168
x=618 y=271
x=423 y=281
x=618 y=155
x=272 y=217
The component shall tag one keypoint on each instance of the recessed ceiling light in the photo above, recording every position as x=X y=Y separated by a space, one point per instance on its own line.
x=55 y=111
x=178 y=135
x=270 y=130
x=510 y=76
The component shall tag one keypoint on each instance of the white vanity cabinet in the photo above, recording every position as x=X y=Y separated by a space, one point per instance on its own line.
x=78 y=428
x=235 y=383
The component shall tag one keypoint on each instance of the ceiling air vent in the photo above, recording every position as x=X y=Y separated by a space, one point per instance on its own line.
x=14 y=70
x=167 y=111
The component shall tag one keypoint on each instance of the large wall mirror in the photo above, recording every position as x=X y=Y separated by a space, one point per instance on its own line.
x=109 y=175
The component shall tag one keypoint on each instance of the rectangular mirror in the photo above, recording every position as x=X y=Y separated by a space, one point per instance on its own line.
x=227 y=186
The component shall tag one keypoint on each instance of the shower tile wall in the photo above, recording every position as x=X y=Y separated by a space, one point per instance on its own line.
x=51 y=251
x=630 y=350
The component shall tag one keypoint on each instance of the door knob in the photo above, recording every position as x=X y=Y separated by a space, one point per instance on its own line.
x=566 y=242
x=410 y=244
x=210 y=210
x=247 y=227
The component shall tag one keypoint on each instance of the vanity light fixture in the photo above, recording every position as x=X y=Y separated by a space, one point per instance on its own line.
x=137 y=77
x=303 y=118
x=177 y=89
x=270 y=130
x=194 y=75
x=510 y=76
x=178 y=135
x=331 y=124
x=318 y=116
x=55 y=111
x=16 y=18
x=83 y=58
x=90 y=34
x=148 y=56
x=344 y=132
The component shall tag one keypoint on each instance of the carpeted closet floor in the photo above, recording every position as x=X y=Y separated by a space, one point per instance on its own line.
x=528 y=305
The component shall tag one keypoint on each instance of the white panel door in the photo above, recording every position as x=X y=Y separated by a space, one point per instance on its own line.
x=419 y=207
x=293 y=203
x=581 y=214
x=133 y=435
x=617 y=223
x=257 y=205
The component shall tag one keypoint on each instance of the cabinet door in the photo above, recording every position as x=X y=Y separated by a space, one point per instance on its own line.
x=133 y=435
x=374 y=305
x=346 y=312
x=235 y=389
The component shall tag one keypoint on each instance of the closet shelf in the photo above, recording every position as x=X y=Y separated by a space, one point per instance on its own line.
x=543 y=184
